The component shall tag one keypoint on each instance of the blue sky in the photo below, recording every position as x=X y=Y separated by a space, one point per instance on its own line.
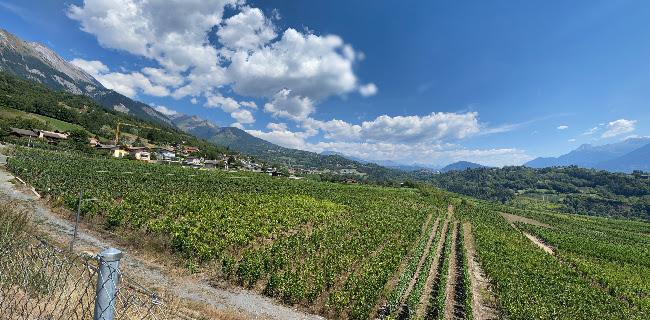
x=428 y=82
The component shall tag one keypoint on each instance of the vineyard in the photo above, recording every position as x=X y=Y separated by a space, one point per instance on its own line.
x=359 y=252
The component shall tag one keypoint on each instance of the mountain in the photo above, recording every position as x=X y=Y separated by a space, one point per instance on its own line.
x=73 y=111
x=385 y=163
x=462 y=165
x=589 y=156
x=638 y=159
x=36 y=62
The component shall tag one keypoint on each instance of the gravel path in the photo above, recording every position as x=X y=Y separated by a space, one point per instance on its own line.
x=240 y=304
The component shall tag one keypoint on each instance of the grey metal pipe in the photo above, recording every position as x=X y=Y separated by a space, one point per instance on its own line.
x=106 y=291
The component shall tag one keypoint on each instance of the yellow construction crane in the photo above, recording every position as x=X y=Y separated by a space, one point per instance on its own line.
x=117 y=132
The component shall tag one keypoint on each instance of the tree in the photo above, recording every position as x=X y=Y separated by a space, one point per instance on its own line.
x=78 y=140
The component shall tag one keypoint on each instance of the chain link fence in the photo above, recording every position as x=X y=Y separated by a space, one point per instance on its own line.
x=40 y=281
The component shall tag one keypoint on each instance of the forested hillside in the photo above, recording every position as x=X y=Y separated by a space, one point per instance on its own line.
x=569 y=189
x=95 y=118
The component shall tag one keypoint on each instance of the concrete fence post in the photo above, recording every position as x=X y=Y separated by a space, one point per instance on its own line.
x=106 y=291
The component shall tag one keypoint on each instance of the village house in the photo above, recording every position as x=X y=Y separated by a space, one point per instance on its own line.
x=215 y=164
x=140 y=153
x=119 y=151
x=53 y=137
x=19 y=133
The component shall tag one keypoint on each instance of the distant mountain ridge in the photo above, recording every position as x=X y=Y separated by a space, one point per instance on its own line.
x=638 y=159
x=589 y=156
x=36 y=62
x=462 y=165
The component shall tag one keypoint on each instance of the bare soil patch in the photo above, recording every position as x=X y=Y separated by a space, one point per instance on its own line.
x=512 y=218
x=451 y=304
x=434 y=273
x=381 y=304
x=402 y=312
x=484 y=306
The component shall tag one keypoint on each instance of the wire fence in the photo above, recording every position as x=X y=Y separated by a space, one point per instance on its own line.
x=40 y=281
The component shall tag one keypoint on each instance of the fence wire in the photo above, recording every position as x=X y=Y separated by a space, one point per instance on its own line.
x=40 y=281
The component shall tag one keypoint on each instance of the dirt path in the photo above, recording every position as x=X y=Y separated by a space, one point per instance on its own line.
x=402 y=311
x=433 y=274
x=511 y=218
x=483 y=299
x=193 y=294
x=451 y=305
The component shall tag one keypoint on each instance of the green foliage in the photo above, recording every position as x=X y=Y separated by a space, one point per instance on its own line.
x=568 y=189
x=303 y=239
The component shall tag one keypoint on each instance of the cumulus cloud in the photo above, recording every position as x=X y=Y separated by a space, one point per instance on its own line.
x=276 y=126
x=249 y=104
x=618 y=127
x=246 y=30
x=562 y=127
x=162 y=77
x=286 y=105
x=166 y=111
x=126 y=84
x=238 y=125
x=194 y=101
x=423 y=152
x=253 y=60
x=368 y=90
x=243 y=116
x=92 y=67
x=226 y=104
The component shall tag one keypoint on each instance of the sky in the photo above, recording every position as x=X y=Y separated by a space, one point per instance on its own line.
x=424 y=82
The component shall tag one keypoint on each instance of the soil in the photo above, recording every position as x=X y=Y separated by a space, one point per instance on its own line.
x=514 y=218
x=450 y=290
x=433 y=274
x=382 y=303
x=192 y=295
x=432 y=236
x=484 y=305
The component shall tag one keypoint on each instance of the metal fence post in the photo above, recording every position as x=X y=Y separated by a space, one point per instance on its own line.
x=106 y=291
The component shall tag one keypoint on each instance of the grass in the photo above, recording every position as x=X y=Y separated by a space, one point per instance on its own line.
x=57 y=124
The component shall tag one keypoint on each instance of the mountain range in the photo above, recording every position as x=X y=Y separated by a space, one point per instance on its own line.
x=36 y=62
x=624 y=156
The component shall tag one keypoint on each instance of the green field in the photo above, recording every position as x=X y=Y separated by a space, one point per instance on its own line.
x=346 y=251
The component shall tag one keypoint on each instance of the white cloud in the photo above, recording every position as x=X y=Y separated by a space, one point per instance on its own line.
x=368 y=90
x=246 y=30
x=285 y=138
x=238 y=126
x=243 y=116
x=250 y=104
x=254 y=60
x=286 y=105
x=92 y=67
x=194 y=101
x=166 y=111
x=572 y=140
x=160 y=76
x=226 y=104
x=618 y=127
x=562 y=127
x=591 y=131
x=126 y=84
x=423 y=152
x=276 y=126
